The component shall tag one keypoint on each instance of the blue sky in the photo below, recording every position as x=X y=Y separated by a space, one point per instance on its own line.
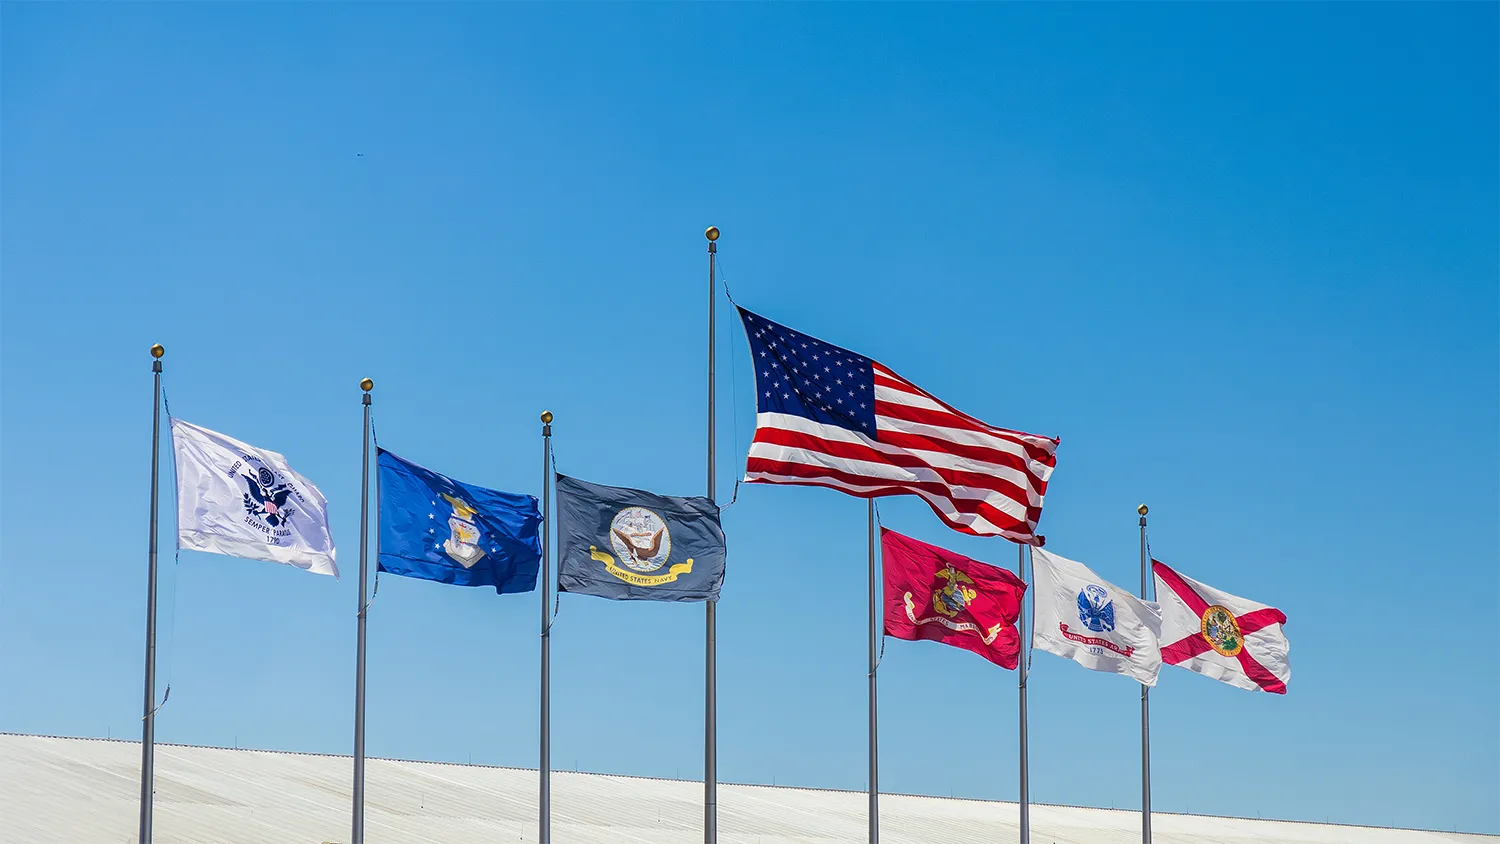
x=1242 y=259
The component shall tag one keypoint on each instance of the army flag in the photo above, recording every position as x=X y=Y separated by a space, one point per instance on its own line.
x=435 y=528
x=627 y=544
x=1082 y=617
x=1220 y=635
x=935 y=594
x=235 y=499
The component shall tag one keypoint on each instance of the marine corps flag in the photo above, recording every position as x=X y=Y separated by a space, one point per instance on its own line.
x=627 y=544
x=934 y=594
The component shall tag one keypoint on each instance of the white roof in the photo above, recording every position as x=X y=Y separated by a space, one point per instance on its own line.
x=78 y=791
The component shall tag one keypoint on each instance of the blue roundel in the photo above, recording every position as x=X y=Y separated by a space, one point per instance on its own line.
x=1095 y=609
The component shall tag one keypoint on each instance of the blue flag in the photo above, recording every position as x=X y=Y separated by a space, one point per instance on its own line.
x=435 y=528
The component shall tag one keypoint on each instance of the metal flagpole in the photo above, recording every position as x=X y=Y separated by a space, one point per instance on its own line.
x=710 y=644
x=148 y=718
x=545 y=765
x=1025 y=762
x=874 y=662
x=358 y=834
x=1145 y=704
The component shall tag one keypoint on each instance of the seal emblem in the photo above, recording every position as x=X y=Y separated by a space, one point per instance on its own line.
x=1222 y=631
x=640 y=539
x=1095 y=609
x=266 y=499
x=954 y=597
x=462 y=543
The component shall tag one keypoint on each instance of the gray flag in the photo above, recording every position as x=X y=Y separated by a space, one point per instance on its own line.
x=631 y=545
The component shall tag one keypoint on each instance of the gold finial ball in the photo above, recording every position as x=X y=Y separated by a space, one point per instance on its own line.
x=1143 y=509
x=366 y=384
x=712 y=233
x=158 y=350
x=546 y=417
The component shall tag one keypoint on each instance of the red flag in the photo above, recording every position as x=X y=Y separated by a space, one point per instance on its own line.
x=931 y=593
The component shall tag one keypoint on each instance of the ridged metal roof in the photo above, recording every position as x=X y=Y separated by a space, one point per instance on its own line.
x=79 y=791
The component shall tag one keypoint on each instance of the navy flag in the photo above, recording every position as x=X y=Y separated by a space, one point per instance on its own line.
x=435 y=528
x=626 y=544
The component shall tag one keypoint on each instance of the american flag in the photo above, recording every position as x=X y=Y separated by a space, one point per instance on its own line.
x=826 y=416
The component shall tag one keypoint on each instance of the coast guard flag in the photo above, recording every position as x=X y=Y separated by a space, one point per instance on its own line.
x=1082 y=617
x=932 y=593
x=825 y=416
x=242 y=501
x=435 y=528
x=1220 y=635
x=627 y=544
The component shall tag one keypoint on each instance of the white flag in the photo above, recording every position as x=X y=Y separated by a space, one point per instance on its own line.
x=1220 y=635
x=1096 y=624
x=241 y=501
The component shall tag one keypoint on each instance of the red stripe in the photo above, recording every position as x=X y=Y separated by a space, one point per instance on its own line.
x=928 y=442
x=885 y=377
x=1257 y=620
x=1175 y=582
x=810 y=474
x=940 y=419
x=810 y=471
x=1185 y=649
x=1260 y=674
x=859 y=451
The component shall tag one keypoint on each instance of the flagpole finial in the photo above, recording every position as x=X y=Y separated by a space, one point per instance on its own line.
x=546 y=417
x=158 y=350
x=712 y=233
x=1143 y=509
x=366 y=384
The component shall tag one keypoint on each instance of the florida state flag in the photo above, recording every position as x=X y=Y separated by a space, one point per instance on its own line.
x=931 y=593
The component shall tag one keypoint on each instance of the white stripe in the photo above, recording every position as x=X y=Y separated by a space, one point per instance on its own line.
x=1036 y=469
x=884 y=474
x=919 y=398
x=973 y=521
x=936 y=459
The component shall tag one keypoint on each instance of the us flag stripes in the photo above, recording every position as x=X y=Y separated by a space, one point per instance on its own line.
x=826 y=416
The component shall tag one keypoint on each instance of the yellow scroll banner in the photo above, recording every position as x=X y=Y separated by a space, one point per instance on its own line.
x=640 y=579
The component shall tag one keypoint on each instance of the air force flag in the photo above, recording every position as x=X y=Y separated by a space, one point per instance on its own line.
x=627 y=544
x=435 y=528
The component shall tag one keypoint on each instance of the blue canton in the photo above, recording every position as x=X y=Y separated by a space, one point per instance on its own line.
x=803 y=376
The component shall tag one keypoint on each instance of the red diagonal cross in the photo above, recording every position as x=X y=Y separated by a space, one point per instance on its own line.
x=1196 y=643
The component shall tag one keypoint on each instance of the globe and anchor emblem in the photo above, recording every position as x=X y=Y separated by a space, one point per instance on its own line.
x=954 y=597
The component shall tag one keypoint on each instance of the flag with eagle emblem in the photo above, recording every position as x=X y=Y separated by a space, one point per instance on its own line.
x=934 y=594
x=628 y=544
x=1081 y=616
x=239 y=500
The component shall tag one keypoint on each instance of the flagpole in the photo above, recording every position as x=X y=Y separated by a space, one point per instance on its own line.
x=148 y=717
x=545 y=765
x=710 y=643
x=874 y=662
x=358 y=834
x=1145 y=704
x=1025 y=750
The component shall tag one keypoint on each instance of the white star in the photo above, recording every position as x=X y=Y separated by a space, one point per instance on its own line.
x=431 y=516
x=841 y=401
x=826 y=369
x=786 y=395
x=815 y=357
x=762 y=354
x=768 y=395
x=861 y=405
x=804 y=345
x=766 y=373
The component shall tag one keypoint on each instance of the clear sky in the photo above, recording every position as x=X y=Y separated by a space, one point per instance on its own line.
x=1241 y=259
